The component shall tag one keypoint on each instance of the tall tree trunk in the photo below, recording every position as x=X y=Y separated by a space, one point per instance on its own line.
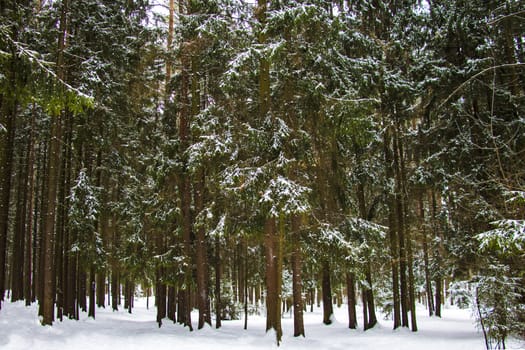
x=297 y=282
x=28 y=264
x=115 y=238
x=218 y=268
x=428 y=280
x=328 y=309
x=160 y=293
x=372 y=318
x=350 y=291
x=364 y=301
x=81 y=286
x=48 y=297
x=392 y=228
x=8 y=113
x=201 y=260
x=17 y=258
x=400 y=227
x=245 y=280
x=171 y=306
x=273 y=293
x=62 y=250
x=411 y=282
x=437 y=273
x=92 y=288
x=184 y=183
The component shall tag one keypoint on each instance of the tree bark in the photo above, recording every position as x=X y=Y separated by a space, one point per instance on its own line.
x=273 y=293
x=428 y=280
x=399 y=199
x=18 y=243
x=184 y=183
x=328 y=309
x=92 y=290
x=297 y=283
x=48 y=297
x=372 y=318
x=218 y=268
x=392 y=228
x=350 y=291
x=28 y=264
x=201 y=252
x=7 y=116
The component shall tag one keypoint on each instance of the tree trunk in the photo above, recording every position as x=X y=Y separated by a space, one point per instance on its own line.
x=30 y=204
x=174 y=314
x=81 y=287
x=428 y=280
x=184 y=183
x=92 y=290
x=273 y=293
x=160 y=294
x=350 y=291
x=8 y=113
x=392 y=229
x=297 y=283
x=48 y=297
x=328 y=309
x=218 y=268
x=411 y=282
x=364 y=296
x=437 y=273
x=372 y=318
x=115 y=238
x=399 y=199
x=201 y=260
x=245 y=281
x=17 y=258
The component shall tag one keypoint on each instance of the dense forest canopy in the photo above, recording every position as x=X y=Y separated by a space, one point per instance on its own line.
x=223 y=154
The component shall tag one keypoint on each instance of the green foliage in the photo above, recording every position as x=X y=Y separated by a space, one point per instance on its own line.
x=499 y=309
x=82 y=215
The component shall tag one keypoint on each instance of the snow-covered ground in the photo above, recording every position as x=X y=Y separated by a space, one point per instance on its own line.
x=20 y=329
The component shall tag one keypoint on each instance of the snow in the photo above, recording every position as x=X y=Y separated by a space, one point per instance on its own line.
x=20 y=329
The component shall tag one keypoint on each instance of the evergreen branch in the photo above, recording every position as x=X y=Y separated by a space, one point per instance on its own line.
x=462 y=85
x=494 y=21
x=44 y=65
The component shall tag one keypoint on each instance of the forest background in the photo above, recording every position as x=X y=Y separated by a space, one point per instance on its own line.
x=224 y=154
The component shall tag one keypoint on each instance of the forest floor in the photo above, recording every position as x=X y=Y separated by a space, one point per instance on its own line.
x=20 y=329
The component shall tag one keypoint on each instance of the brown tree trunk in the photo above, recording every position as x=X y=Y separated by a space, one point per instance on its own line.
x=171 y=307
x=48 y=297
x=399 y=196
x=81 y=287
x=364 y=301
x=372 y=318
x=28 y=264
x=201 y=260
x=350 y=291
x=428 y=280
x=437 y=279
x=92 y=290
x=184 y=184
x=297 y=282
x=218 y=268
x=115 y=289
x=115 y=238
x=273 y=293
x=17 y=259
x=245 y=280
x=8 y=112
x=328 y=309
x=411 y=282
x=160 y=293
x=392 y=229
